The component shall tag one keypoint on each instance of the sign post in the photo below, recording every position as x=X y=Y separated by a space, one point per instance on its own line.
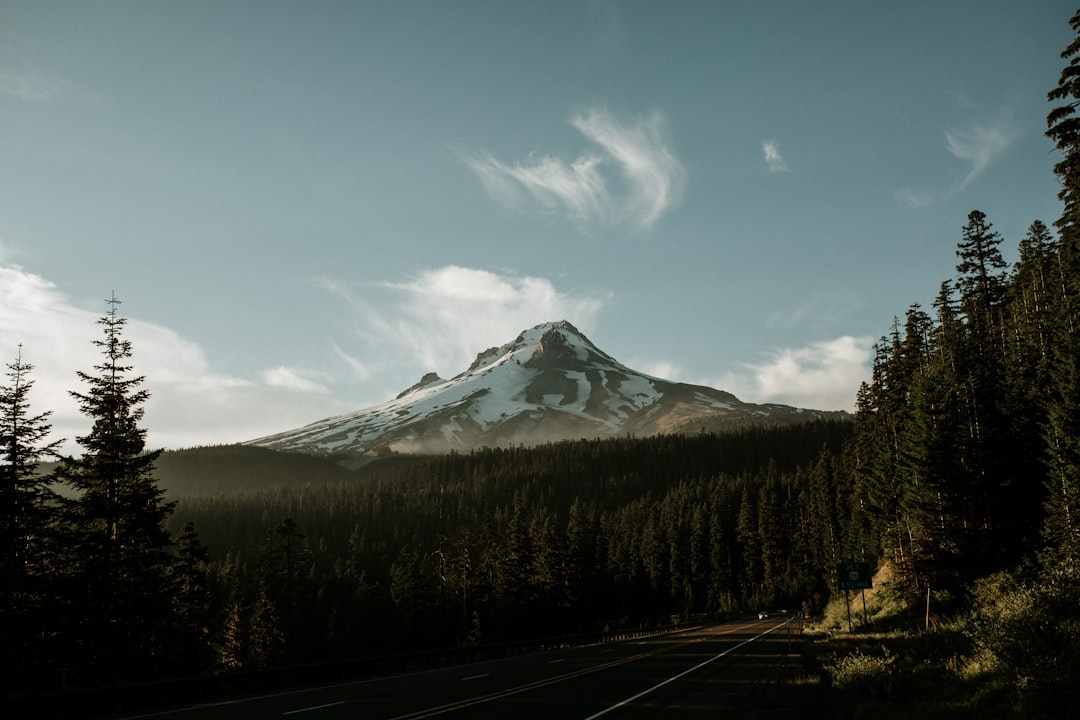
x=853 y=576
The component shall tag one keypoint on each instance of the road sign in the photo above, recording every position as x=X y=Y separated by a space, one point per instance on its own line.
x=853 y=576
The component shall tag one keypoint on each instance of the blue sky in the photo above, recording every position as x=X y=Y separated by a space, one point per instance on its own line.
x=304 y=206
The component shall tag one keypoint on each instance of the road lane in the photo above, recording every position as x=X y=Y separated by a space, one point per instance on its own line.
x=699 y=675
x=630 y=701
x=682 y=672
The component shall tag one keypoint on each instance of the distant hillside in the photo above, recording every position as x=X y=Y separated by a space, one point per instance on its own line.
x=226 y=469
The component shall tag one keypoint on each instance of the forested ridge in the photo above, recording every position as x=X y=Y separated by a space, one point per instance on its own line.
x=960 y=474
x=505 y=544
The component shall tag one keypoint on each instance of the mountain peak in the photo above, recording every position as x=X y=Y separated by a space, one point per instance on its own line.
x=549 y=383
x=425 y=381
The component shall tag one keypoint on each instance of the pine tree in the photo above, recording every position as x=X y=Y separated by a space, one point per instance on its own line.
x=770 y=535
x=231 y=648
x=26 y=510
x=190 y=650
x=1063 y=123
x=583 y=553
x=748 y=538
x=1061 y=531
x=990 y=457
x=265 y=640
x=1031 y=289
x=285 y=570
x=119 y=545
x=982 y=279
x=1029 y=380
x=414 y=589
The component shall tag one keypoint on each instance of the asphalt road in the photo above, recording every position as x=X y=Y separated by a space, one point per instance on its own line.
x=745 y=667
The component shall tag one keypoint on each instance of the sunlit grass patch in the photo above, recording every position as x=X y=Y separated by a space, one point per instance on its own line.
x=871 y=674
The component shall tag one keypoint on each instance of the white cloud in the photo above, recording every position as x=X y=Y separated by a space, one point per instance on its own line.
x=663 y=369
x=189 y=403
x=978 y=145
x=441 y=318
x=821 y=376
x=579 y=189
x=773 y=158
x=290 y=379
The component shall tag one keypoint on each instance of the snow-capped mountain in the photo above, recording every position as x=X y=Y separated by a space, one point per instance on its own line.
x=550 y=383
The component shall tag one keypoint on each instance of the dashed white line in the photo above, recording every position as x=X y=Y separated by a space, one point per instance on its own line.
x=476 y=677
x=314 y=707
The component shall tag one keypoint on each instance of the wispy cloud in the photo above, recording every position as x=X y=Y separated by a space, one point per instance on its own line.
x=189 y=403
x=978 y=145
x=821 y=376
x=579 y=189
x=773 y=159
x=440 y=319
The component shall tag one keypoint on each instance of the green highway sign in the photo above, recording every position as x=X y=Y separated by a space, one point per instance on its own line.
x=853 y=576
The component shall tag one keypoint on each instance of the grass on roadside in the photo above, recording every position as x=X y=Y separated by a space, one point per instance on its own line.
x=1010 y=652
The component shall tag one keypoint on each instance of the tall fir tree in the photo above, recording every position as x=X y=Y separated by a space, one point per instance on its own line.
x=27 y=511
x=119 y=546
x=992 y=460
x=1063 y=127
x=1030 y=337
x=1061 y=531
x=982 y=280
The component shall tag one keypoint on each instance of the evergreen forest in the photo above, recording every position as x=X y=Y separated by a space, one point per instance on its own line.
x=959 y=474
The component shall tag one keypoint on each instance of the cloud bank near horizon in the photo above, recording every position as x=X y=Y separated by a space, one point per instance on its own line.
x=441 y=318
x=190 y=404
x=822 y=376
x=437 y=320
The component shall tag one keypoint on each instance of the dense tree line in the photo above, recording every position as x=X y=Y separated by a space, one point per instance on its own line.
x=503 y=544
x=950 y=428
x=968 y=433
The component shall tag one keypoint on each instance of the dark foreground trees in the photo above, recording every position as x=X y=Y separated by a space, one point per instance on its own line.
x=501 y=545
x=1063 y=413
x=27 y=508
x=116 y=544
x=91 y=590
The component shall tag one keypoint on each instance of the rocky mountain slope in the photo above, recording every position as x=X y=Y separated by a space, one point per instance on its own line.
x=550 y=383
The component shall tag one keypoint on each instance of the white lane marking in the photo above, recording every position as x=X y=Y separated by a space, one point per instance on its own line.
x=673 y=678
x=552 y=662
x=314 y=707
x=476 y=677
